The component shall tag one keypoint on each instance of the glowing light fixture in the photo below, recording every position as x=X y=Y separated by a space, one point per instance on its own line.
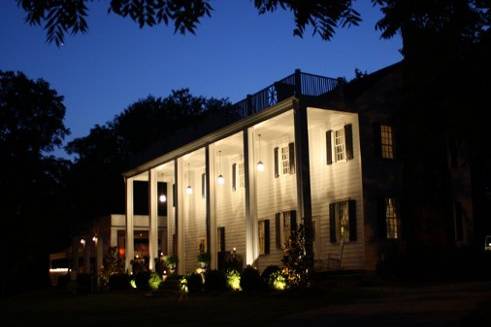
x=82 y=241
x=220 y=179
x=162 y=198
x=94 y=239
x=260 y=164
x=189 y=189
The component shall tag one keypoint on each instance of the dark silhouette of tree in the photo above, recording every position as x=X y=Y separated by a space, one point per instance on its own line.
x=32 y=181
x=59 y=17
x=146 y=128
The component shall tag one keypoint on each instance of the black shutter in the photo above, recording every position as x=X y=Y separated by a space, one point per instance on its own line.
x=293 y=221
x=377 y=140
x=174 y=193
x=352 y=220
x=221 y=231
x=291 y=157
x=348 y=139
x=332 y=222
x=277 y=225
x=267 y=240
x=382 y=218
x=203 y=185
x=329 y=147
x=276 y=163
x=234 y=177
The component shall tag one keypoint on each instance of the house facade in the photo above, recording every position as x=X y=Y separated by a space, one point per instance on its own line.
x=308 y=150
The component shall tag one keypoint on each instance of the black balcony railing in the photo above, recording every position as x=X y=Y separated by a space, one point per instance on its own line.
x=297 y=84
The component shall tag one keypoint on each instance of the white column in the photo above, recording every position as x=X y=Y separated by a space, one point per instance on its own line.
x=250 y=196
x=153 y=237
x=170 y=217
x=181 y=186
x=210 y=193
x=130 y=242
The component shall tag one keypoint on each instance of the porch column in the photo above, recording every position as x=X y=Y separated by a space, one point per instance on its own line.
x=130 y=236
x=170 y=218
x=181 y=255
x=303 y=173
x=99 y=254
x=250 y=196
x=211 y=223
x=153 y=237
x=87 y=253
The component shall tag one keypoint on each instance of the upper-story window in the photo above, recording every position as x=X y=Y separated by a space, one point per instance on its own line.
x=339 y=144
x=284 y=159
x=387 y=141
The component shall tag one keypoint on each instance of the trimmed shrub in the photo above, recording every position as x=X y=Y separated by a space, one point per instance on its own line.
x=154 y=281
x=83 y=283
x=119 y=281
x=266 y=275
x=215 y=280
x=141 y=280
x=250 y=280
x=195 y=283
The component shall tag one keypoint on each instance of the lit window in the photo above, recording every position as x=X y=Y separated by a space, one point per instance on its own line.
x=343 y=220
x=285 y=160
x=392 y=219
x=339 y=150
x=263 y=237
x=387 y=142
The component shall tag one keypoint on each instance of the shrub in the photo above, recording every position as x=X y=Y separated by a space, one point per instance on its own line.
x=265 y=276
x=233 y=280
x=63 y=281
x=141 y=280
x=195 y=282
x=215 y=280
x=119 y=281
x=83 y=283
x=250 y=280
x=278 y=281
x=154 y=281
x=204 y=257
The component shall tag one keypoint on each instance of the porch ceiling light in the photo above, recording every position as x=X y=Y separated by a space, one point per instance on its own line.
x=82 y=241
x=94 y=239
x=162 y=198
x=189 y=190
x=220 y=179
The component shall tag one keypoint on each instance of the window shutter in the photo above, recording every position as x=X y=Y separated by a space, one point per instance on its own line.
x=293 y=221
x=348 y=137
x=291 y=157
x=267 y=240
x=221 y=230
x=234 y=177
x=276 y=163
x=277 y=227
x=203 y=185
x=377 y=140
x=329 y=147
x=352 y=220
x=174 y=193
x=332 y=222
x=382 y=218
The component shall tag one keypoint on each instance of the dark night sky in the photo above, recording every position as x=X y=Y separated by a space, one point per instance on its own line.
x=234 y=52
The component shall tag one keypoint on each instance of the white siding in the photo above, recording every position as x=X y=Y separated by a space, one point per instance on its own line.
x=336 y=182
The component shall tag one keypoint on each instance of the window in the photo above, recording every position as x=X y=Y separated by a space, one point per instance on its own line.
x=221 y=239
x=339 y=144
x=387 y=142
x=263 y=237
x=285 y=223
x=392 y=219
x=284 y=159
x=342 y=221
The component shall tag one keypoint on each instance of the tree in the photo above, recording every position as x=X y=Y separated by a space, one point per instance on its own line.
x=59 y=17
x=32 y=182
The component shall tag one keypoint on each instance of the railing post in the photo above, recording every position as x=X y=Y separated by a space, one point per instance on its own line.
x=249 y=104
x=298 y=83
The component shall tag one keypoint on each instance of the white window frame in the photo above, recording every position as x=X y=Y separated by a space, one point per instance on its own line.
x=339 y=145
x=392 y=219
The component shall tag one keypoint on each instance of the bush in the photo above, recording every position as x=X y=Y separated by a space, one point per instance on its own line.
x=84 y=283
x=141 y=280
x=62 y=281
x=266 y=275
x=195 y=282
x=215 y=280
x=119 y=282
x=154 y=281
x=250 y=280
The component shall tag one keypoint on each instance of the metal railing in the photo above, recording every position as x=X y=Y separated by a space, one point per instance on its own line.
x=297 y=84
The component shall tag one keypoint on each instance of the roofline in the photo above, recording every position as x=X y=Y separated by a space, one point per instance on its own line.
x=217 y=135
